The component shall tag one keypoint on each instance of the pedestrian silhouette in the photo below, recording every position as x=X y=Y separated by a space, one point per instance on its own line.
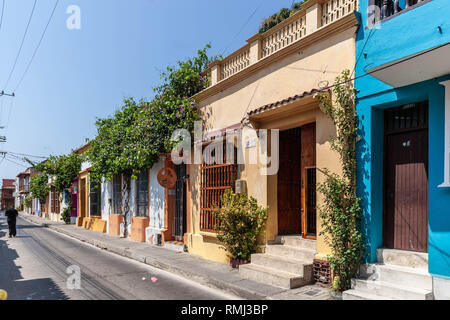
x=12 y=216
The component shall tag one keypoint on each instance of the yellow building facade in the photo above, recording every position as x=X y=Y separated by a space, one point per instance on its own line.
x=271 y=83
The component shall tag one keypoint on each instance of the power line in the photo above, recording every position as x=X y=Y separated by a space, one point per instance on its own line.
x=19 y=164
x=37 y=47
x=25 y=155
x=1 y=17
x=243 y=26
x=21 y=45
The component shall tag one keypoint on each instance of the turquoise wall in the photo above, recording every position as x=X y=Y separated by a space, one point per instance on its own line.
x=399 y=37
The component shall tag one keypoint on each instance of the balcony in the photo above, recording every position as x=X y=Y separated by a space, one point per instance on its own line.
x=23 y=188
x=310 y=23
x=386 y=9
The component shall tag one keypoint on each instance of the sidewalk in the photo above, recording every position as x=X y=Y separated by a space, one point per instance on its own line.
x=208 y=273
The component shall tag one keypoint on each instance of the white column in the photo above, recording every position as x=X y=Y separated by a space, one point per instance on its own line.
x=446 y=183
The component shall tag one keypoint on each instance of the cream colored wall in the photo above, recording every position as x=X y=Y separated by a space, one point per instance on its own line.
x=313 y=67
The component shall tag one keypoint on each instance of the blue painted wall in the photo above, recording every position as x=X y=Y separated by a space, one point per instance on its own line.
x=399 y=37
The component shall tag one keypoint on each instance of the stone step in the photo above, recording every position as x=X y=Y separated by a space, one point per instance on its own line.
x=403 y=258
x=285 y=251
x=272 y=276
x=296 y=241
x=403 y=276
x=390 y=290
x=353 y=294
x=279 y=263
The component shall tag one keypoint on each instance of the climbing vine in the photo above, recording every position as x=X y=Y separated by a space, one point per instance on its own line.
x=341 y=213
x=140 y=131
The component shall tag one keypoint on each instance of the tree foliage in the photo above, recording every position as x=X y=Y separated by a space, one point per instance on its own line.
x=139 y=132
x=63 y=169
x=39 y=187
x=341 y=213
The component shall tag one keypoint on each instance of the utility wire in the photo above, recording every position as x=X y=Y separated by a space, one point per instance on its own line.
x=19 y=164
x=1 y=17
x=21 y=45
x=242 y=28
x=37 y=47
x=25 y=155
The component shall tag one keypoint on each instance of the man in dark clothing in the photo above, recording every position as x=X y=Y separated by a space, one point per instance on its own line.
x=12 y=215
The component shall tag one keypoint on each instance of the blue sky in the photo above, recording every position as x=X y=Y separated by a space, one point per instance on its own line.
x=79 y=75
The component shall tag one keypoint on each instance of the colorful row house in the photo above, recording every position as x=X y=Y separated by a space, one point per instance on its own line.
x=267 y=89
x=155 y=215
x=403 y=106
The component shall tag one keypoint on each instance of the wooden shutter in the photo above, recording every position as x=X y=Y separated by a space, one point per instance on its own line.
x=142 y=194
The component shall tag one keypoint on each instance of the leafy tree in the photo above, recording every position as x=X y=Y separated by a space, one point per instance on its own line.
x=39 y=187
x=64 y=169
x=139 y=132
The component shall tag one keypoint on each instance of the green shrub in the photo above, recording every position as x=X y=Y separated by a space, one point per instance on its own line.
x=240 y=221
x=282 y=15
x=66 y=214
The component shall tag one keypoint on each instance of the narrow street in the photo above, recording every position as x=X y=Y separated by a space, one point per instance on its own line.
x=33 y=267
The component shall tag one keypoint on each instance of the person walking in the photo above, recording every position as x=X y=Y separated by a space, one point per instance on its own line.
x=12 y=217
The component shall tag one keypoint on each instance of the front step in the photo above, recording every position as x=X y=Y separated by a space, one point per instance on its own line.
x=403 y=258
x=290 y=252
x=398 y=275
x=272 y=277
x=390 y=290
x=296 y=241
x=294 y=266
x=353 y=294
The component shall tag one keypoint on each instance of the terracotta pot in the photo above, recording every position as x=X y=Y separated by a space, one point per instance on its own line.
x=235 y=263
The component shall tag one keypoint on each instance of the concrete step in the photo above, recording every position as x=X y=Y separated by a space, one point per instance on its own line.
x=390 y=290
x=353 y=294
x=279 y=263
x=272 y=276
x=403 y=276
x=402 y=258
x=286 y=251
x=296 y=241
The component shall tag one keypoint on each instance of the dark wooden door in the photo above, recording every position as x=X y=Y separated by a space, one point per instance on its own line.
x=406 y=178
x=289 y=182
x=308 y=180
x=179 y=220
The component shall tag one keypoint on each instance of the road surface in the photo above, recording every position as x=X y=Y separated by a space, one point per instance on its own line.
x=33 y=266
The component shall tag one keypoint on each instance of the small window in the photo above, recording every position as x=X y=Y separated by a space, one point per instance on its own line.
x=117 y=194
x=95 y=199
x=142 y=194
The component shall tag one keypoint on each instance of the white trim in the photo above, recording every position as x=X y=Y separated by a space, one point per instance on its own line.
x=446 y=183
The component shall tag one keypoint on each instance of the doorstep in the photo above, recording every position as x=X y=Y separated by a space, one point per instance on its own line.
x=209 y=273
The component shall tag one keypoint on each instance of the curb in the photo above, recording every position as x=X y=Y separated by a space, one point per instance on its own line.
x=151 y=261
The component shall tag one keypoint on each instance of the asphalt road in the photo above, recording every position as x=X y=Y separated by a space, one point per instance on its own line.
x=33 y=266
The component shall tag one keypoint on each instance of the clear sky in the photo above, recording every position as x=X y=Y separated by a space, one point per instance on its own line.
x=79 y=75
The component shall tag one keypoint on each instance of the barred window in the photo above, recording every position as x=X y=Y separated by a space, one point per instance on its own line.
x=117 y=194
x=95 y=199
x=216 y=177
x=142 y=194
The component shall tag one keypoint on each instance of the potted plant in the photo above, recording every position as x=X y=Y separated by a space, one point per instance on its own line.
x=239 y=222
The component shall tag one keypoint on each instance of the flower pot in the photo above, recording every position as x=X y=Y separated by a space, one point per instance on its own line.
x=235 y=263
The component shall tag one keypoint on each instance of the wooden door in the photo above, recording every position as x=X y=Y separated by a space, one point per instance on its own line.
x=82 y=192
x=308 y=180
x=289 y=182
x=179 y=219
x=406 y=178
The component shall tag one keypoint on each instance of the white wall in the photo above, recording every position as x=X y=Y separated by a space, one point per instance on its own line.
x=156 y=201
